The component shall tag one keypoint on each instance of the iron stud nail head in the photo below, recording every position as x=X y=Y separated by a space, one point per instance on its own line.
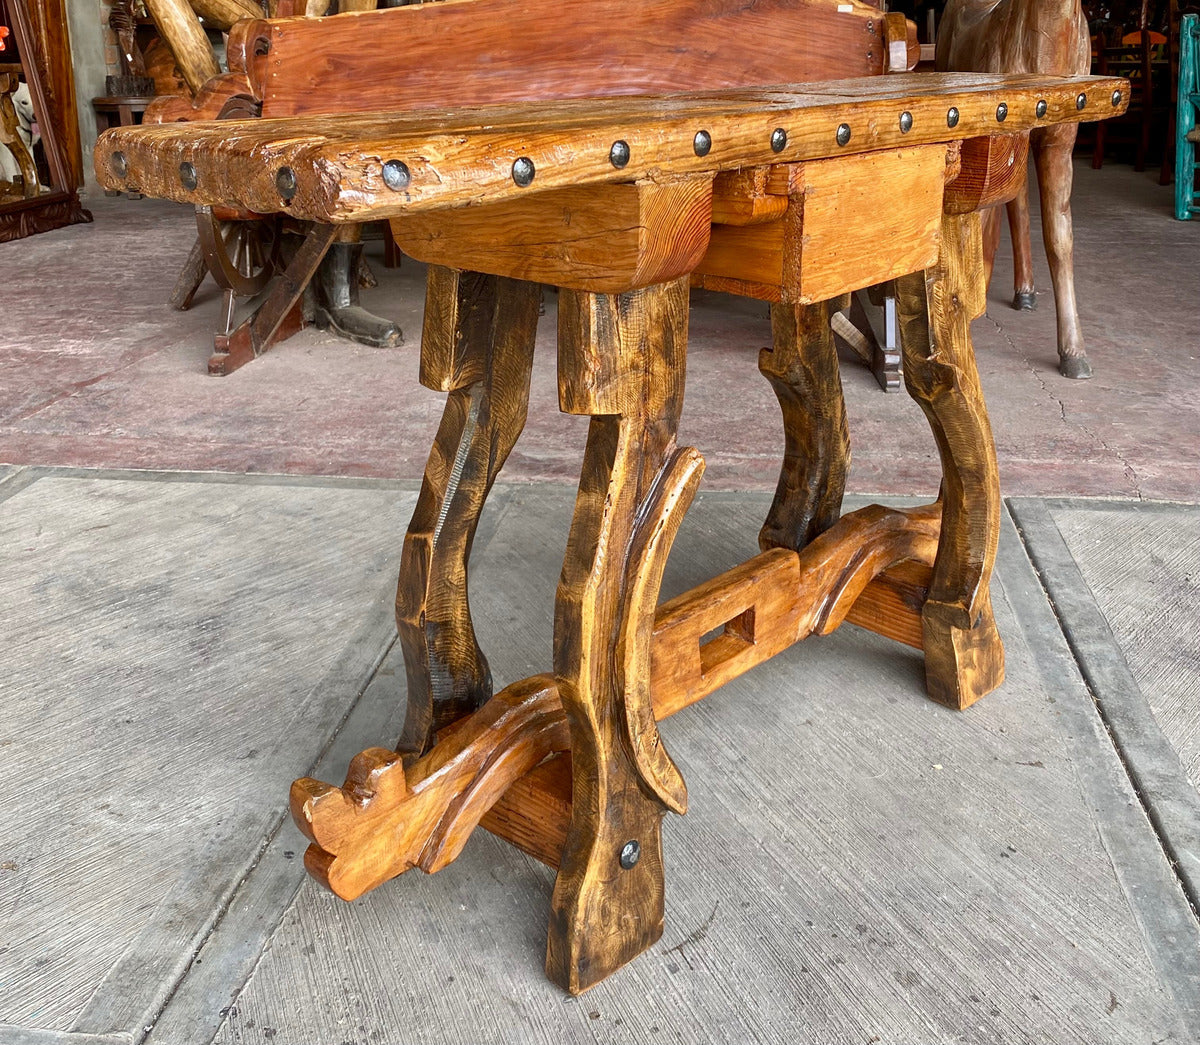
x=396 y=175
x=285 y=182
x=523 y=171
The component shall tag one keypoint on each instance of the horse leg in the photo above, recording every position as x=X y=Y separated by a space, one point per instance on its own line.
x=1052 y=153
x=1025 y=294
x=991 y=242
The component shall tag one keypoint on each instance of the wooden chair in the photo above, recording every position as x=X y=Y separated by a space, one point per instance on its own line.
x=514 y=144
x=1143 y=58
x=241 y=250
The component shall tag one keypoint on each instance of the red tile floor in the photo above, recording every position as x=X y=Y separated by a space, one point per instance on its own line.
x=96 y=370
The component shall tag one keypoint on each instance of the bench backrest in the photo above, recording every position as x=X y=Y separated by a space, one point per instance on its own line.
x=476 y=52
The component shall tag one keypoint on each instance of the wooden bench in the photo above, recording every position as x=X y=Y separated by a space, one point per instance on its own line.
x=623 y=152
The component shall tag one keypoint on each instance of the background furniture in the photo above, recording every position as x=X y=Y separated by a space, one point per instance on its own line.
x=1187 y=141
x=40 y=38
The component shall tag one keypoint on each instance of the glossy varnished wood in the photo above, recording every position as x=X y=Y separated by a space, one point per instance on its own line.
x=488 y=769
x=477 y=345
x=802 y=367
x=622 y=360
x=992 y=171
x=605 y=239
x=827 y=243
x=465 y=157
x=384 y=820
x=502 y=51
x=964 y=658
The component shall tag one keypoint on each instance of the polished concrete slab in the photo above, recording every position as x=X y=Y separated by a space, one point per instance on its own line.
x=100 y=372
x=857 y=863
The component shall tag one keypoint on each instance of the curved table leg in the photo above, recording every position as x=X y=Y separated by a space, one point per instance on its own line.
x=477 y=344
x=802 y=366
x=964 y=658
x=621 y=360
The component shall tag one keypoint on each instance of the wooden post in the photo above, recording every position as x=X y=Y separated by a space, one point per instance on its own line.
x=964 y=658
x=477 y=344
x=802 y=366
x=621 y=360
x=186 y=39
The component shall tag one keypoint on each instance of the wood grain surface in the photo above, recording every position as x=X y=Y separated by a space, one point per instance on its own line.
x=605 y=239
x=488 y=768
x=461 y=157
x=385 y=819
x=964 y=658
x=185 y=36
x=487 y=51
x=802 y=367
x=622 y=360
x=827 y=242
x=477 y=345
x=992 y=171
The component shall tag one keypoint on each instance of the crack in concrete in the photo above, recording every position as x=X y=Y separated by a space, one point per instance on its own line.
x=1131 y=475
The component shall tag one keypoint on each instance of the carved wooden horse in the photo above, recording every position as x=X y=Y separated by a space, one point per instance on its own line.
x=1031 y=36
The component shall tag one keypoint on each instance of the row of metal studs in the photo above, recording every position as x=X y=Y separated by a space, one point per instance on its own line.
x=396 y=175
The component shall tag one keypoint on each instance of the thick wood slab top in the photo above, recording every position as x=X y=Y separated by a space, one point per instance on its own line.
x=332 y=169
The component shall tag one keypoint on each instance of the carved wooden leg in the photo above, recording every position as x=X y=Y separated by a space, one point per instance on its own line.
x=802 y=366
x=477 y=344
x=964 y=658
x=621 y=360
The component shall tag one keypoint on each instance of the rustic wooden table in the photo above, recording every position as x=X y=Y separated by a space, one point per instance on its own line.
x=795 y=195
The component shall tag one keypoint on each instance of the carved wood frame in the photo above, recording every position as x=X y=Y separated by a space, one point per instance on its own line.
x=61 y=206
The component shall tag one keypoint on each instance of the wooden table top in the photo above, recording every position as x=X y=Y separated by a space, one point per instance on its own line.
x=446 y=159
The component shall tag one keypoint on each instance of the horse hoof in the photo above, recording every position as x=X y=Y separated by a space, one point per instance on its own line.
x=1076 y=367
x=1025 y=300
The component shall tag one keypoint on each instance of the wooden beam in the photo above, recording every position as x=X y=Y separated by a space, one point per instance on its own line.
x=607 y=239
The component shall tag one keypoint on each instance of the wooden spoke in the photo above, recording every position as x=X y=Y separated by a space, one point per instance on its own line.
x=239 y=254
x=802 y=367
x=477 y=344
x=964 y=658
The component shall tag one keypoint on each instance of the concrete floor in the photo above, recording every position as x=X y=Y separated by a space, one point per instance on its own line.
x=181 y=640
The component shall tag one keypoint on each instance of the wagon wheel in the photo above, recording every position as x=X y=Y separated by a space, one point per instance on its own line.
x=241 y=255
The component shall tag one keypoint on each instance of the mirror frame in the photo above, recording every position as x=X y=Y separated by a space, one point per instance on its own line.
x=61 y=205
